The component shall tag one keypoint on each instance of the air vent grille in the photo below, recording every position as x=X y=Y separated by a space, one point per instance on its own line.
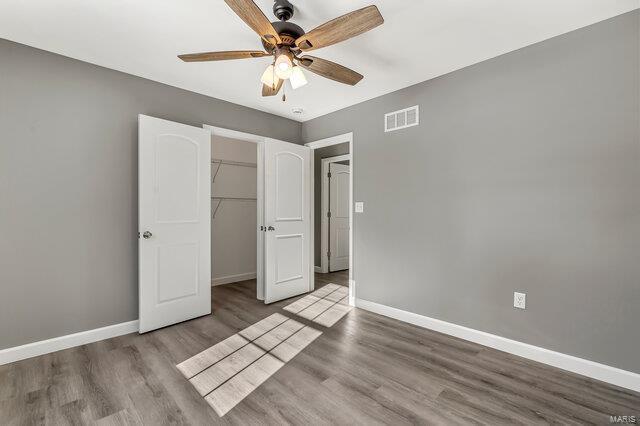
x=390 y=121
x=402 y=119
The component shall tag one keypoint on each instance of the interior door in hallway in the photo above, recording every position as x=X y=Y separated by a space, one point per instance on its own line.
x=339 y=217
x=174 y=190
x=287 y=201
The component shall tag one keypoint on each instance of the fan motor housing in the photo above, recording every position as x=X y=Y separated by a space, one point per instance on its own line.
x=288 y=32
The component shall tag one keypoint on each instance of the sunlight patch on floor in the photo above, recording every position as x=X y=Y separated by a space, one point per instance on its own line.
x=229 y=371
x=325 y=306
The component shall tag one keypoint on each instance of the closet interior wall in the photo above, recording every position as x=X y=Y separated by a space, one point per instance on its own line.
x=233 y=210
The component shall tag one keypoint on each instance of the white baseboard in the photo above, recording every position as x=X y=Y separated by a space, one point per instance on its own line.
x=605 y=373
x=65 y=342
x=228 y=279
x=317 y=269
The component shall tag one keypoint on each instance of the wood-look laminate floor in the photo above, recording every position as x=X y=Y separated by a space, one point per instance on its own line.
x=366 y=369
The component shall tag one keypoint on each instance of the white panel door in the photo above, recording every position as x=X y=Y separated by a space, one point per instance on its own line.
x=287 y=201
x=174 y=192
x=339 y=219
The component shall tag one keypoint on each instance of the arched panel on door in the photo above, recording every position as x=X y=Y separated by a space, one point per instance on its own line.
x=289 y=186
x=177 y=194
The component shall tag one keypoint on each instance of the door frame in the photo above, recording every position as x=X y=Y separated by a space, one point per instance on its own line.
x=335 y=140
x=324 y=209
x=259 y=141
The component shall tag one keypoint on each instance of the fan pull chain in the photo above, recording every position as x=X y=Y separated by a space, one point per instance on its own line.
x=284 y=93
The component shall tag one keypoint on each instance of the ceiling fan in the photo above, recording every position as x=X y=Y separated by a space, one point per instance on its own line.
x=286 y=41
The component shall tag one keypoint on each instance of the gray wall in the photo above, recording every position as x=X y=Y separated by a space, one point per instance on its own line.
x=318 y=155
x=523 y=175
x=68 y=187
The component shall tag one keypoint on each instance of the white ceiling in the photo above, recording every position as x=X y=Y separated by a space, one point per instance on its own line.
x=419 y=40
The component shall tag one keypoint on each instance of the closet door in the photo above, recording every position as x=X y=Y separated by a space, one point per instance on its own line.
x=287 y=196
x=174 y=191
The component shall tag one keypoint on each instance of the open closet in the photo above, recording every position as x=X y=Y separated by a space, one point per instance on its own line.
x=233 y=210
x=218 y=206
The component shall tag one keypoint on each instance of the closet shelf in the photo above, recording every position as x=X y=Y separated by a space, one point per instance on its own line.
x=221 y=199
x=220 y=162
x=233 y=163
x=234 y=198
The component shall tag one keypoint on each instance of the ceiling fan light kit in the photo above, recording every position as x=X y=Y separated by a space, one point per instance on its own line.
x=286 y=41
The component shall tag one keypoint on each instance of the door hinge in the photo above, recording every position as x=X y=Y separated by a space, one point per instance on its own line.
x=328 y=254
x=328 y=214
x=329 y=175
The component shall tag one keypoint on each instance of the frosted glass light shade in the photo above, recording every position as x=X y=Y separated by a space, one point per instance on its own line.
x=269 y=77
x=297 y=78
x=284 y=66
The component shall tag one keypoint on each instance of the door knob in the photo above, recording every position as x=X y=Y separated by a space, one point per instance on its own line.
x=271 y=228
x=146 y=235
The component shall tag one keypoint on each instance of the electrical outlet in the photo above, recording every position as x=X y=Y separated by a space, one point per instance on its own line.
x=359 y=207
x=519 y=300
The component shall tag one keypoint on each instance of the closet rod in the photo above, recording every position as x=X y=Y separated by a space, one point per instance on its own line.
x=234 y=163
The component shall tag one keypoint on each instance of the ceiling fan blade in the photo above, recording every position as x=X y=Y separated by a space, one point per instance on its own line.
x=341 y=28
x=222 y=56
x=272 y=91
x=330 y=70
x=251 y=14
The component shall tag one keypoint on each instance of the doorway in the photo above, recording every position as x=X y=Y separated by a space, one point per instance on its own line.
x=237 y=203
x=233 y=210
x=333 y=211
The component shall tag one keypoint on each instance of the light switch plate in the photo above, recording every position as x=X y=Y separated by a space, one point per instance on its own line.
x=359 y=207
x=519 y=300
